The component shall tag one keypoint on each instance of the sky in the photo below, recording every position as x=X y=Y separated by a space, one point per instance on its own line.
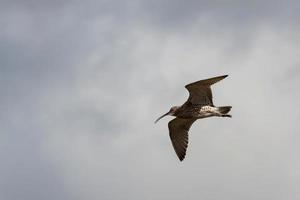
x=82 y=83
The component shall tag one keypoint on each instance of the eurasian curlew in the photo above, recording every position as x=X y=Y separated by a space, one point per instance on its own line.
x=199 y=105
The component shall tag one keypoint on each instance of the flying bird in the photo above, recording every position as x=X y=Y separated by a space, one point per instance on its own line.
x=199 y=105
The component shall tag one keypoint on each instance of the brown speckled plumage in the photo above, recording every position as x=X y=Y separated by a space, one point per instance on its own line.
x=199 y=105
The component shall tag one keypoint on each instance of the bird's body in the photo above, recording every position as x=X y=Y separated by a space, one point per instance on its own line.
x=197 y=112
x=199 y=105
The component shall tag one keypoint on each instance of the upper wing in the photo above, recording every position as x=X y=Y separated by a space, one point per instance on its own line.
x=200 y=91
x=178 y=130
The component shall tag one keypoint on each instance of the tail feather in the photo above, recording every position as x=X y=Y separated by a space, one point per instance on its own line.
x=224 y=109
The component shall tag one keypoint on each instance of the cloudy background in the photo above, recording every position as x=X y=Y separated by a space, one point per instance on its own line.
x=82 y=82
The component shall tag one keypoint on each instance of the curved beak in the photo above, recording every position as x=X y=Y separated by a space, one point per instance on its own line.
x=162 y=116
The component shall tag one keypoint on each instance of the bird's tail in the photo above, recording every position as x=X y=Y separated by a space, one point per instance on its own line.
x=223 y=110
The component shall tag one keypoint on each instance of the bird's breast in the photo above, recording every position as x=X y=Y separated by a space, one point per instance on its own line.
x=192 y=111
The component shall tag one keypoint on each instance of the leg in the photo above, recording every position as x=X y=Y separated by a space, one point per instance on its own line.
x=226 y=115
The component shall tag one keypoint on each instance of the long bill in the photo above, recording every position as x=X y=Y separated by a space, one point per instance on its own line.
x=161 y=117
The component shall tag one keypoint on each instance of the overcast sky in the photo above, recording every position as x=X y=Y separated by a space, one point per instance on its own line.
x=82 y=82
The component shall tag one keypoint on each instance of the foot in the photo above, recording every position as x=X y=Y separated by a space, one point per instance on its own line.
x=226 y=116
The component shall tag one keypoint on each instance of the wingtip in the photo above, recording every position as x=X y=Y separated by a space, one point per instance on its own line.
x=181 y=158
x=224 y=76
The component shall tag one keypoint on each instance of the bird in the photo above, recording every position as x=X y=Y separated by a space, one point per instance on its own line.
x=198 y=105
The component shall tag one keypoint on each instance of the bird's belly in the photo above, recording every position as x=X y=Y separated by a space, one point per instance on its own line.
x=196 y=112
x=207 y=111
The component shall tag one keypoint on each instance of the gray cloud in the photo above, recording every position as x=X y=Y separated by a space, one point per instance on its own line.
x=81 y=85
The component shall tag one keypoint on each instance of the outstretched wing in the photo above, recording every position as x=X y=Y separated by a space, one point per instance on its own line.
x=200 y=91
x=178 y=130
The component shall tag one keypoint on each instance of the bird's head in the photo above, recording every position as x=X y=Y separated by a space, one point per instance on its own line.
x=171 y=112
